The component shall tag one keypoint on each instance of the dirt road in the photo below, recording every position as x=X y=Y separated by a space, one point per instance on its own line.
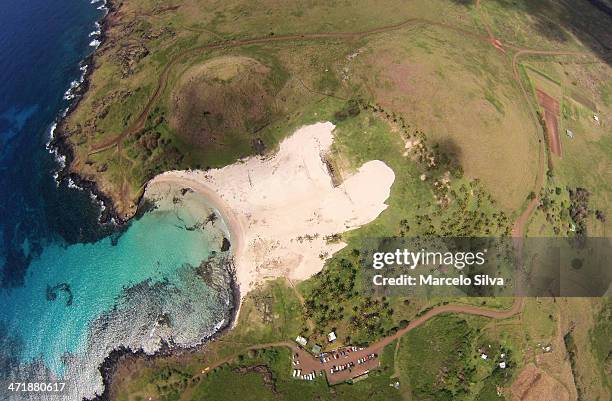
x=138 y=124
x=308 y=363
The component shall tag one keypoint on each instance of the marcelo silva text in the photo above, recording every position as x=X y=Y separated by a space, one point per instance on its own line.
x=408 y=280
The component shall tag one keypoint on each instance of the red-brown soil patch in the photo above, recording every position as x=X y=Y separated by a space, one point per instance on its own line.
x=533 y=384
x=551 y=120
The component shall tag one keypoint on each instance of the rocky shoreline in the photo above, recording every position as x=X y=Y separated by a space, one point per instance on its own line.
x=124 y=355
x=109 y=216
x=60 y=143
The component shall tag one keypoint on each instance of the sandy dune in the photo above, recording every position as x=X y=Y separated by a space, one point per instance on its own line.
x=280 y=209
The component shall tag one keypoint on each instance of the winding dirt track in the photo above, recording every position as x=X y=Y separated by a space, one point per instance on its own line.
x=310 y=363
x=517 y=307
x=138 y=124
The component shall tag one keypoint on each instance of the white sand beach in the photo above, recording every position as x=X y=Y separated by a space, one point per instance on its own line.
x=280 y=209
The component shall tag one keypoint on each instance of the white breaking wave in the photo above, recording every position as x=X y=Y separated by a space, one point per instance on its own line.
x=72 y=184
x=51 y=135
x=220 y=325
x=59 y=158
x=70 y=93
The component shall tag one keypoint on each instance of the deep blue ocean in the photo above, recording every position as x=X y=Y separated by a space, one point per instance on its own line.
x=41 y=43
x=72 y=290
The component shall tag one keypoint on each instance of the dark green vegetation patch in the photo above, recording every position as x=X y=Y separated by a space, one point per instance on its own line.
x=441 y=361
x=266 y=375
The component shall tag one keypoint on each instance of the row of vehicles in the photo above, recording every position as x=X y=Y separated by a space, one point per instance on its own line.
x=340 y=353
x=366 y=358
x=340 y=368
x=297 y=373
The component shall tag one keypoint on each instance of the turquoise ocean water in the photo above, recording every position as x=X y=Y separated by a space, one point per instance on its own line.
x=136 y=289
x=72 y=290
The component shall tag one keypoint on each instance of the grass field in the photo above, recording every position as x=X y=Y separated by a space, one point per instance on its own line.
x=397 y=69
x=600 y=337
x=460 y=93
x=442 y=361
x=580 y=87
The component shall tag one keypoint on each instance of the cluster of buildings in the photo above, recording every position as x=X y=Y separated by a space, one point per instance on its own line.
x=502 y=358
x=316 y=348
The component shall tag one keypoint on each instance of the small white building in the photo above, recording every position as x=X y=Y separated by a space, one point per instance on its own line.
x=484 y=356
x=569 y=133
x=331 y=337
x=502 y=365
x=301 y=340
